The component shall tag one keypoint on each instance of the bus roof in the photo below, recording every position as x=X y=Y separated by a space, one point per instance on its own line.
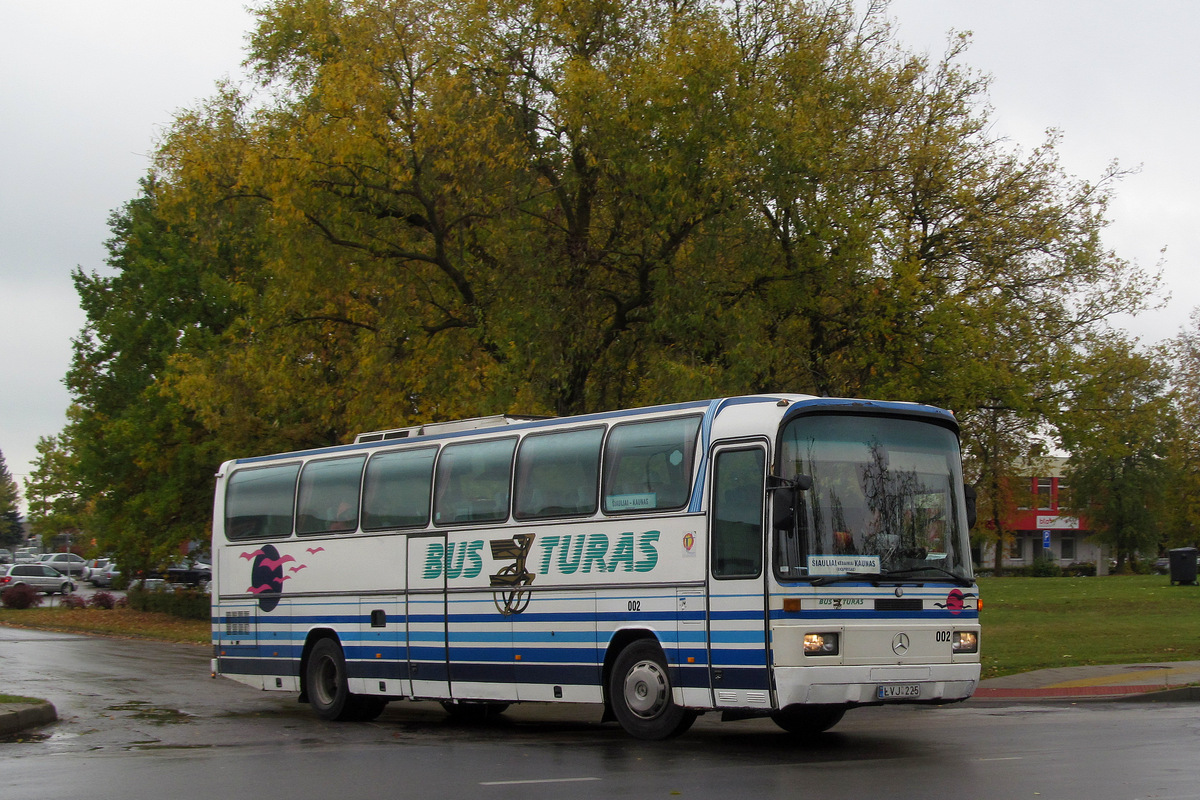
x=792 y=404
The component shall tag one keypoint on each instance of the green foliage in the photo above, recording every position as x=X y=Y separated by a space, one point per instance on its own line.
x=10 y=509
x=55 y=486
x=1182 y=511
x=184 y=604
x=1116 y=430
x=1045 y=568
x=133 y=465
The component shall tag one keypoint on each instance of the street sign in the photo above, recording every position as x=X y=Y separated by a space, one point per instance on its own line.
x=1045 y=540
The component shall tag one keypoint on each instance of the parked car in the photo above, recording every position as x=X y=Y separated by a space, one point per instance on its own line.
x=25 y=557
x=6 y=556
x=105 y=576
x=196 y=573
x=40 y=576
x=94 y=567
x=66 y=563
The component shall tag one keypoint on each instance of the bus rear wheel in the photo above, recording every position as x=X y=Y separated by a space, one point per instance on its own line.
x=329 y=691
x=639 y=690
x=808 y=720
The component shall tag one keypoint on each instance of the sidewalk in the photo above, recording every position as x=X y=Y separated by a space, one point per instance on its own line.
x=1173 y=681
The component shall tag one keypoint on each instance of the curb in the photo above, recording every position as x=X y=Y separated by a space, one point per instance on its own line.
x=17 y=717
x=1118 y=694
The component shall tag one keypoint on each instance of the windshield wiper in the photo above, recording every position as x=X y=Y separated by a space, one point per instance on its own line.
x=955 y=578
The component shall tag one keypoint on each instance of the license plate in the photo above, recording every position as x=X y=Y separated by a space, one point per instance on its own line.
x=891 y=691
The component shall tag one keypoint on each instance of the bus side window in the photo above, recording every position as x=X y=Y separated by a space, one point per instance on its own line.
x=473 y=481
x=259 y=502
x=558 y=474
x=328 y=496
x=397 y=489
x=737 y=513
x=648 y=465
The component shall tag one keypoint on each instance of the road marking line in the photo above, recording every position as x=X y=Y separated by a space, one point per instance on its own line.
x=1002 y=758
x=542 y=780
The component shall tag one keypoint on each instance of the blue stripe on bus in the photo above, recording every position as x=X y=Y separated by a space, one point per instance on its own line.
x=283 y=667
x=742 y=678
x=924 y=614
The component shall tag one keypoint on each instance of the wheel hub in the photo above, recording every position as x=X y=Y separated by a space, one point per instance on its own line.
x=646 y=689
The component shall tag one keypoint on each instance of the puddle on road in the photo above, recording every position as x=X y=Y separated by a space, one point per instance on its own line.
x=157 y=716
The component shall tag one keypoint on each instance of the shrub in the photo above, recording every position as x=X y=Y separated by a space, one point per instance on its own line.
x=105 y=600
x=189 y=604
x=73 y=601
x=1045 y=568
x=21 y=596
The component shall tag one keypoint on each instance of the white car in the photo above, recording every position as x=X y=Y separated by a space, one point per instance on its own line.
x=66 y=563
x=40 y=576
x=106 y=575
x=93 y=569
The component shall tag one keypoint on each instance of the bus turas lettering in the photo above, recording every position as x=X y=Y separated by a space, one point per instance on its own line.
x=456 y=560
x=583 y=553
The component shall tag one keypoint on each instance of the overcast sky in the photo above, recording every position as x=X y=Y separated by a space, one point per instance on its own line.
x=88 y=87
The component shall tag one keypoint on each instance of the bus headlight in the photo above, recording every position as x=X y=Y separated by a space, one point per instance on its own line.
x=965 y=642
x=820 y=644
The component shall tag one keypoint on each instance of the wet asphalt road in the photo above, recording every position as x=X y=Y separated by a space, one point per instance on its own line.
x=144 y=720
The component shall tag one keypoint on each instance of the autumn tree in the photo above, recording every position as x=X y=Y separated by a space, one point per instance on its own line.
x=1116 y=427
x=428 y=210
x=1183 y=508
x=474 y=206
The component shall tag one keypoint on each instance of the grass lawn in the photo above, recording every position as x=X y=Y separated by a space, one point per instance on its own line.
x=122 y=622
x=16 y=698
x=1028 y=623
x=1035 y=623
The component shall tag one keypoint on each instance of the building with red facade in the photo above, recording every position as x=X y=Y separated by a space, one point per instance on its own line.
x=1042 y=526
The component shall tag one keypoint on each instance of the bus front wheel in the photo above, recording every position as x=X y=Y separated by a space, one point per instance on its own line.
x=639 y=690
x=808 y=720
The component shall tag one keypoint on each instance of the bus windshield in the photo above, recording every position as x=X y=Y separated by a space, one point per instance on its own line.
x=886 y=501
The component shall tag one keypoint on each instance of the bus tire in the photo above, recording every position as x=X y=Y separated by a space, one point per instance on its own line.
x=639 y=690
x=325 y=682
x=365 y=708
x=808 y=720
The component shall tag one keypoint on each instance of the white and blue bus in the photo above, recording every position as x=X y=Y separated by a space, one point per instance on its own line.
x=785 y=556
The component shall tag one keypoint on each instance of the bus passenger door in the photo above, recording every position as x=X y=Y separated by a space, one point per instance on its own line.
x=737 y=610
x=426 y=616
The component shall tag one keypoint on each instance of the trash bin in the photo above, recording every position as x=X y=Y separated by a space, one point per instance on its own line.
x=1183 y=565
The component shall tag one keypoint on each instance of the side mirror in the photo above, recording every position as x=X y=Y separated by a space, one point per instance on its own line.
x=787 y=495
x=970 y=494
x=783 y=511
